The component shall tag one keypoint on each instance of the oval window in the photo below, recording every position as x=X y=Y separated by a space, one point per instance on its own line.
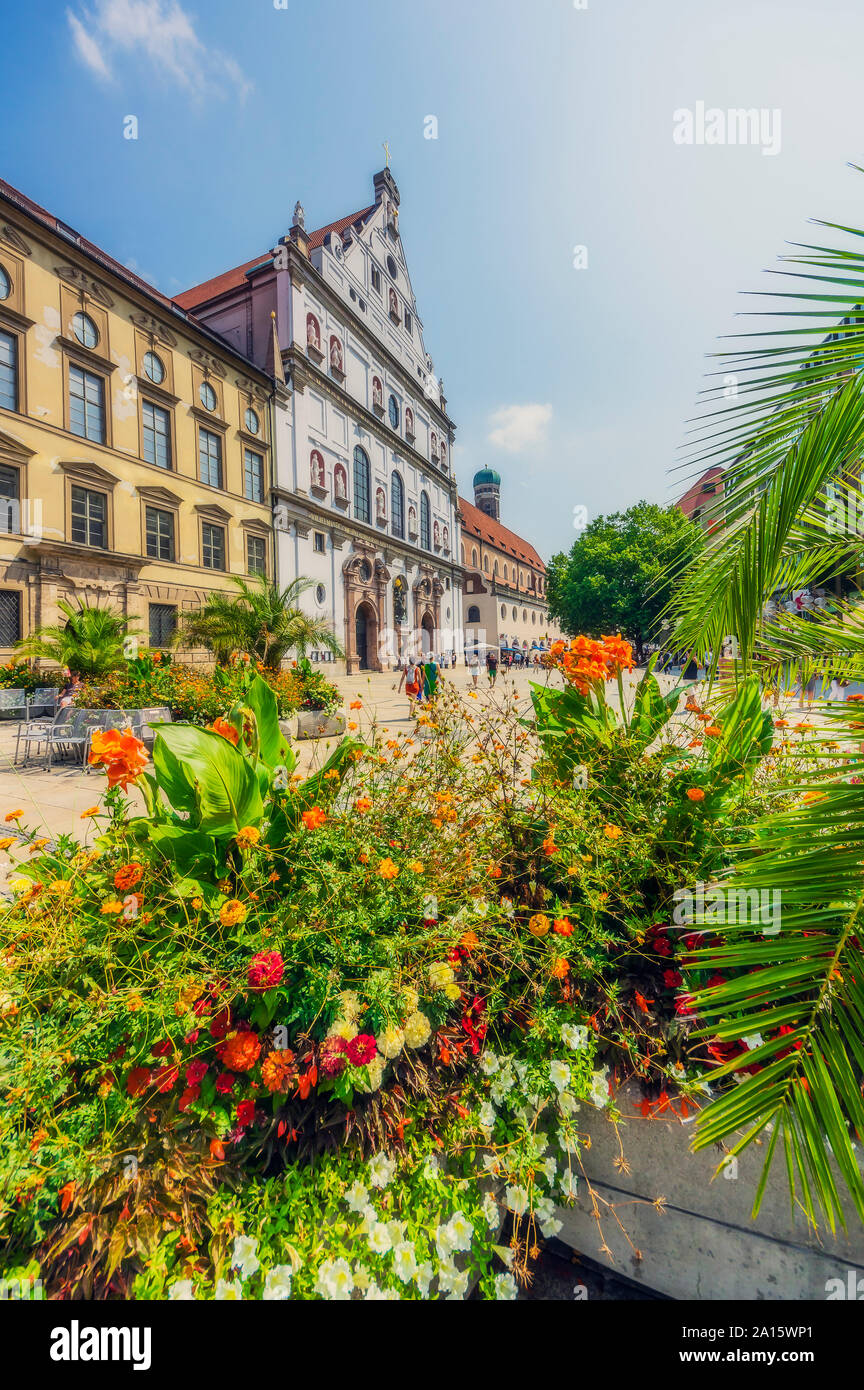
x=85 y=330
x=393 y=408
x=5 y=284
x=154 y=368
x=253 y=424
x=207 y=396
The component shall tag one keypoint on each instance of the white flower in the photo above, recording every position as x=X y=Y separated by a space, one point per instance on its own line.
x=374 y=1294
x=549 y=1169
x=277 y=1285
x=396 y=1230
x=404 y=1261
x=452 y=1280
x=517 y=1200
x=567 y=1103
x=752 y=1041
x=381 y=1170
x=130 y=908
x=245 y=1256
x=379 y=1239
x=491 y=1164
x=357 y=1197
x=567 y=1186
x=432 y=1168
x=390 y=1042
x=559 y=1075
x=228 y=1290
x=505 y=1286
x=280 y=778
x=181 y=1290
x=575 y=1035
x=461 y=1231
x=506 y=906
x=424 y=1277
x=335 y=1280
x=568 y=1142
x=417 y=1030
x=490 y=1211
x=350 y=1002
x=489 y=1063
x=362 y=1277
x=545 y=1209
x=551 y=1227
x=444 y=1242
x=486 y=1115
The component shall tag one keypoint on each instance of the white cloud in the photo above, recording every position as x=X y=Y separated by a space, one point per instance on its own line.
x=88 y=49
x=157 y=30
x=515 y=427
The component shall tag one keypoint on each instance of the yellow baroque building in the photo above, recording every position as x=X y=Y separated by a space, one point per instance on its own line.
x=135 y=443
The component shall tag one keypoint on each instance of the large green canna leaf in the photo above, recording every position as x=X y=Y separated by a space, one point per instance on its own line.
x=226 y=795
x=272 y=743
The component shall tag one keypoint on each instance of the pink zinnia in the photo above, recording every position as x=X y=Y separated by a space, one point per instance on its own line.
x=266 y=969
x=362 y=1049
x=334 y=1056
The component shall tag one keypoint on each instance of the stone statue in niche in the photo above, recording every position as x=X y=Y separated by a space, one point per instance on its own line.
x=313 y=333
x=336 y=355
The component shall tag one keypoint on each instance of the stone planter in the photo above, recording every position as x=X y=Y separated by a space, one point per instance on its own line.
x=702 y=1243
x=316 y=723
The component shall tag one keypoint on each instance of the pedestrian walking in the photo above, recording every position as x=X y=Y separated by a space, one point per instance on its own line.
x=492 y=666
x=473 y=661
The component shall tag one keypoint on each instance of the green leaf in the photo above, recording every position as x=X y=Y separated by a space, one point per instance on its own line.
x=226 y=790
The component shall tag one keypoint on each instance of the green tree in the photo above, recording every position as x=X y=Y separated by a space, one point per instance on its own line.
x=261 y=619
x=90 y=642
x=618 y=575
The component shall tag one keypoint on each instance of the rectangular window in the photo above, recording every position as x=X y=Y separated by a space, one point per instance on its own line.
x=210 y=457
x=256 y=555
x=253 y=475
x=376 y=279
x=407 y=321
x=8 y=371
x=157 y=434
x=163 y=621
x=213 y=546
x=320 y=543
x=10 y=617
x=89 y=518
x=86 y=404
x=160 y=534
x=10 y=507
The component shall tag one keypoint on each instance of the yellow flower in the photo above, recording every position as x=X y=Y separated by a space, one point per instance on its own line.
x=453 y=991
x=111 y=906
x=390 y=1042
x=4 y=844
x=387 y=869
x=415 y=866
x=417 y=1030
x=60 y=887
x=440 y=974
x=232 y=912
x=538 y=925
x=612 y=832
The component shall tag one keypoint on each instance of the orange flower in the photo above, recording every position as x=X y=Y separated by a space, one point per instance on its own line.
x=13 y=815
x=781 y=723
x=363 y=804
x=469 y=940
x=225 y=730
x=494 y=871
x=278 y=1071
x=128 y=876
x=695 y=743
x=560 y=968
x=248 y=837
x=111 y=907
x=217 y=1148
x=549 y=847
x=123 y=756
x=714 y=731
x=563 y=926
x=387 y=869
x=314 y=819
x=356 y=704
x=91 y=811
x=538 y=925
x=241 y=1051
x=695 y=794
x=612 y=832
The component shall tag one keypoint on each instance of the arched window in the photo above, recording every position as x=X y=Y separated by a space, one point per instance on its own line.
x=486 y=563
x=397 y=505
x=425 y=522
x=495 y=568
x=505 y=574
x=361 y=486
x=474 y=555
x=473 y=614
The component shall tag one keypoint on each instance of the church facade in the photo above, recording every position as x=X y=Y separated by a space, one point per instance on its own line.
x=364 y=493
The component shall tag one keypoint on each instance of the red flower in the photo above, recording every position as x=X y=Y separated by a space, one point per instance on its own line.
x=661 y=946
x=137 y=1080
x=334 y=1056
x=191 y=1093
x=245 y=1112
x=161 y=1049
x=195 y=1073
x=225 y=1083
x=220 y=1024
x=165 y=1078
x=563 y=926
x=266 y=969
x=683 y=1005
x=672 y=979
x=362 y=1049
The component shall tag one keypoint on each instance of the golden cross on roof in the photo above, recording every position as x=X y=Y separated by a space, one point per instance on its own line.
x=386 y=149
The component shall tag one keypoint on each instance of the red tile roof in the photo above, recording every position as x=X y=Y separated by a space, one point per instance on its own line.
x=233 y=279
x=701 y=493
x=485 y=528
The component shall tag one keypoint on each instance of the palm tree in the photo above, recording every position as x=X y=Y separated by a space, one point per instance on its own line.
x=261 y=619
x=90 y=642
x=792 y=441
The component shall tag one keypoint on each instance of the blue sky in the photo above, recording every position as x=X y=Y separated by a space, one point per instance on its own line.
x=555 y=131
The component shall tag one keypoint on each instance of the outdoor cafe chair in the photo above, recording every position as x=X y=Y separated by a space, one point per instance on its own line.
x=12 y=701
x=75 y=735
x=39 y=731
x=42 y=704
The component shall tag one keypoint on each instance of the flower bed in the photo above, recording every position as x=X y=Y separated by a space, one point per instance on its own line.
x=285 y=998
